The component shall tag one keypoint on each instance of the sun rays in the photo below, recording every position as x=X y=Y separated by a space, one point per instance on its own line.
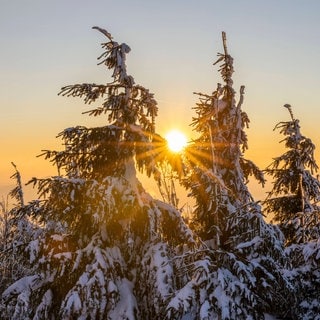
x=176 y=140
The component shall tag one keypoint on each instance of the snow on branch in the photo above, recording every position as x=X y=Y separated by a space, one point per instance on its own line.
x=17 y=192
x=91 y=92
x=288 y=106
x=114 y=57
x=105 y=32
x=226 y=68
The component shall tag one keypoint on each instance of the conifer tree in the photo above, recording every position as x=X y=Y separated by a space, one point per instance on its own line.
x=15 y=229
x=304 y=274
x=293 y=200
x=219 y=179
x=5 y=263
x=107 y=247
x=244 y=249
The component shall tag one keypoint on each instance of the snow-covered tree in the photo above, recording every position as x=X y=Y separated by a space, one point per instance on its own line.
x=293 y=200
x=304 y=274
x=293 y=203
x=107 y=247
x=14 y=234
x=5 y=263
x=246 y=253
x=219 y=170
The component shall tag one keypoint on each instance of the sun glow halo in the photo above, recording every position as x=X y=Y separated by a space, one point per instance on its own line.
x=176 y=140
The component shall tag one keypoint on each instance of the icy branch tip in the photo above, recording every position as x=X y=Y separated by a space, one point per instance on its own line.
x=224 y=40
x=288 y=106
x=105 y=32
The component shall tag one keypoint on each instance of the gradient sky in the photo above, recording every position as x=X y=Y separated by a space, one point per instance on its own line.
x=48 y=44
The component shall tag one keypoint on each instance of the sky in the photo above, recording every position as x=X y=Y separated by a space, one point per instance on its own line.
x=48 y=44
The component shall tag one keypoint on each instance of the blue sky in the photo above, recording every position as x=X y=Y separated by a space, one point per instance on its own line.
x=48 y=44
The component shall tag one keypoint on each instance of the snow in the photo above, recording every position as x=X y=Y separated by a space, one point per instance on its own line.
x=224 y=300
x=177 y=273
x=84 y=279
x=269 y=317
x=201 y=271
x=100 y=258
x=312 y=248
x=131 y=176
x=33 y=249
x=183 y=298
x=204 y=311
x=256 y=240
x=163 y=269
x=23 y=285
x=73 y=304
x=42 y=311
x=72 y=195
x=125 y=308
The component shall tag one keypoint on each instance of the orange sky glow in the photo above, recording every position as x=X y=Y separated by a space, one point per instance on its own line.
x=174 y=45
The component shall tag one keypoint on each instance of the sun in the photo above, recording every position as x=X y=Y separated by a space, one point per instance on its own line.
x=176 y=140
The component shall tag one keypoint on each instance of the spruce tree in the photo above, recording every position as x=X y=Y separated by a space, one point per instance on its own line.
x=15 y=230
x=5 y=261
x=246 y=253
x=107 y=247
x=293 y=200
x=220 y=172
x=293 y=203
x=304 y=274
